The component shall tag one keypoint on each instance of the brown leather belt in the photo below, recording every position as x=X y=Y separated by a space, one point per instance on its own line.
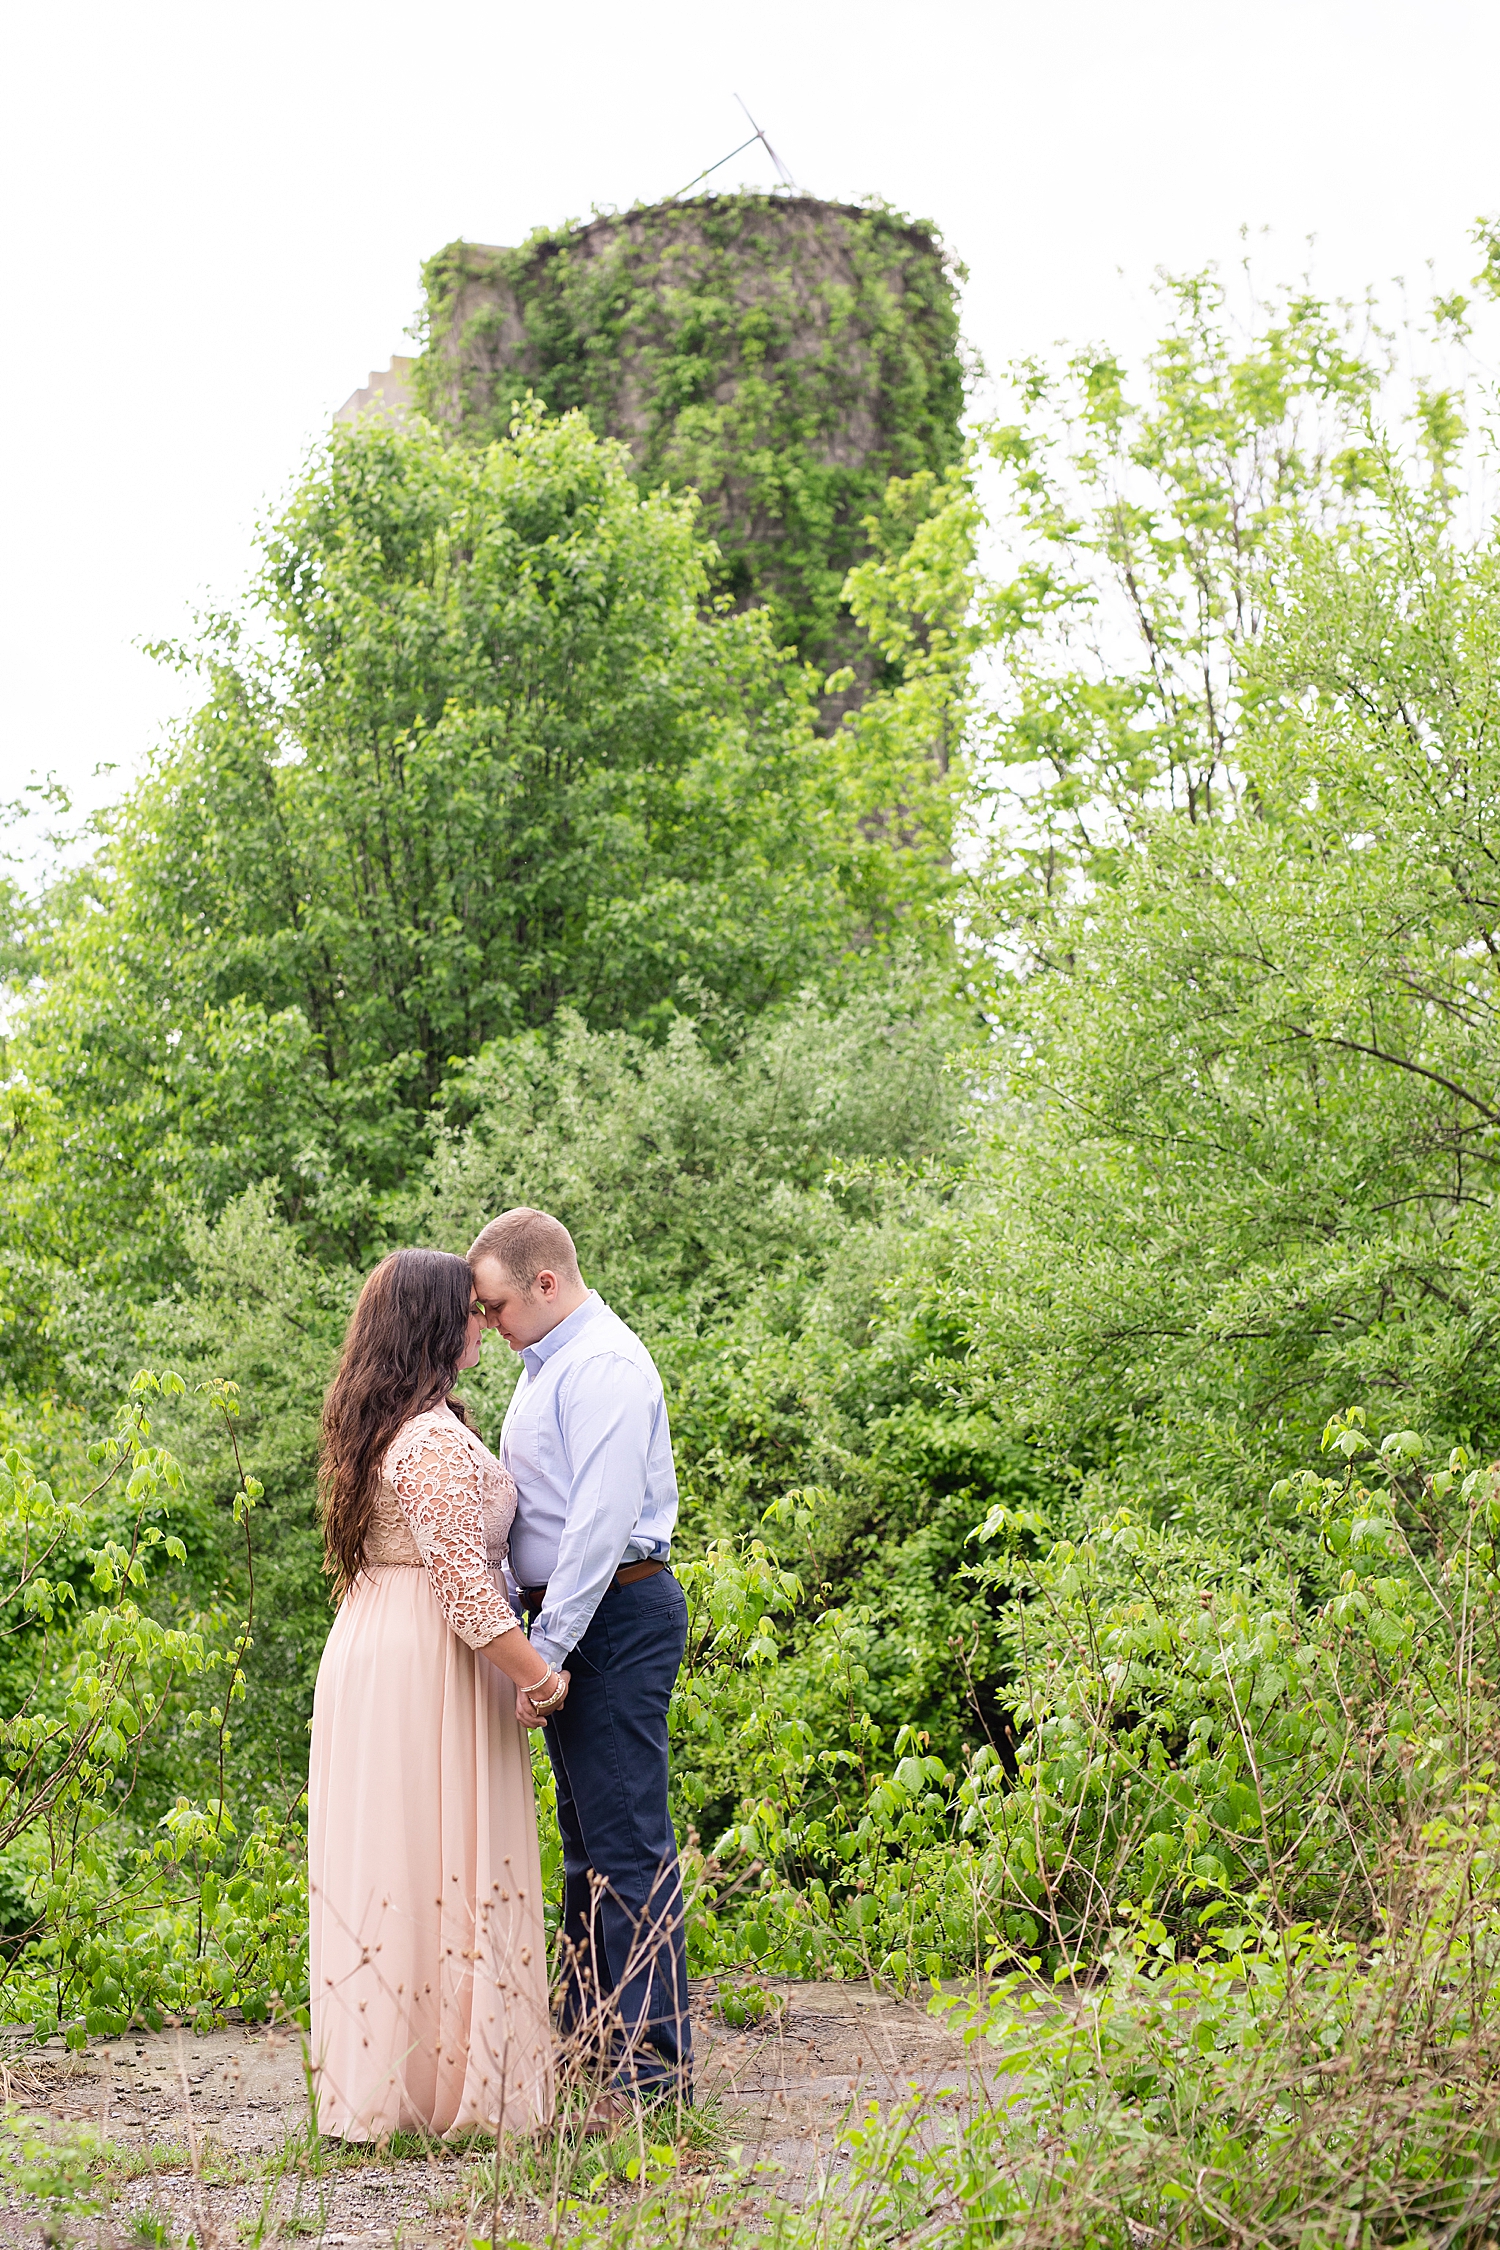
x=626 y=1575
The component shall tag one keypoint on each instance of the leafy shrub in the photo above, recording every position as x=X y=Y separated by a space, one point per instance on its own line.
x=1187 y=1728
x=1276 y=2087
x=1279 y=2086
x=117 y=1922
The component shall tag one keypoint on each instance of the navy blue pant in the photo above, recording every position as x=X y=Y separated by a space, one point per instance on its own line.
x=623 y=1956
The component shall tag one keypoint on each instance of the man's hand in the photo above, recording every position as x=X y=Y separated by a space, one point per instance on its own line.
x=527 y=1712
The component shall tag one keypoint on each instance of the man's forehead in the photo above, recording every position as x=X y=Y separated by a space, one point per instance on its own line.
x=493 y=1272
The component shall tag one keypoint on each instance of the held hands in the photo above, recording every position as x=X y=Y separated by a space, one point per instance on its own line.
x=554 y=1697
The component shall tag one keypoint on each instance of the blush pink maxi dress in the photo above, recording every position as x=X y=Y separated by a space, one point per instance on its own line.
x=429 y=1964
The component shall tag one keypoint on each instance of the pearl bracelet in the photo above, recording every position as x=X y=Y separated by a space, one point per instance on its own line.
x=552 y=1700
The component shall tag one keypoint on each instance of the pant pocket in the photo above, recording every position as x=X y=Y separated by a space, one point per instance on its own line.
x=591 y=1657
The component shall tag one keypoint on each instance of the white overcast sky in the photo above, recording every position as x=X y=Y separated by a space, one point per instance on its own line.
x=214 y=219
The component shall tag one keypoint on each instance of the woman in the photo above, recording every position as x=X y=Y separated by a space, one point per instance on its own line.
x=429 y=1967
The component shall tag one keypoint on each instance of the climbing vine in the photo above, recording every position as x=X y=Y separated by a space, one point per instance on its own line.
x=783 y=357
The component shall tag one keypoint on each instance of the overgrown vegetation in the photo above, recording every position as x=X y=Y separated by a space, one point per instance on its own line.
x=108 y=1925
x=1047 y=1135
x=782 y=358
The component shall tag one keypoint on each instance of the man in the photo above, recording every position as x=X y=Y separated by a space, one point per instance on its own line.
x=587 y=1443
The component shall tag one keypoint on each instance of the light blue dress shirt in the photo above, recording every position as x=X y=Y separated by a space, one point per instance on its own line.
x=587 y=1443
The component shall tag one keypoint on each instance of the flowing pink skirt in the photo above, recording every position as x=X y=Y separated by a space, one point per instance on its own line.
x=429 y=1963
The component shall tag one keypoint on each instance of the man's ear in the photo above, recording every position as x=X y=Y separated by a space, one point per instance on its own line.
x=547 y=1283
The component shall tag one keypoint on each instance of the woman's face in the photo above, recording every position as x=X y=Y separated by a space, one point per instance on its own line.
x=473 y=1335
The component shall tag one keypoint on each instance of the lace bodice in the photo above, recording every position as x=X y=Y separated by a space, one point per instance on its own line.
x=446 y=1503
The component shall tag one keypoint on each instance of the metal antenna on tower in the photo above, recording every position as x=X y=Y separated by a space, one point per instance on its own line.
x=782 y=173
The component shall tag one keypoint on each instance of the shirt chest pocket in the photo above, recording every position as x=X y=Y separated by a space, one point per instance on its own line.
x=531 y=1437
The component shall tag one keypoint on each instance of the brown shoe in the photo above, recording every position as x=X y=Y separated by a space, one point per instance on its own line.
x=607 y=2112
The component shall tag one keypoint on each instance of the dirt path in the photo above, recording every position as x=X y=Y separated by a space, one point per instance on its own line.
x=212 y=2122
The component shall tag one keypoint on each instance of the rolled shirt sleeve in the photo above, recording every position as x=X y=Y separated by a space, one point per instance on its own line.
x=607 y=1422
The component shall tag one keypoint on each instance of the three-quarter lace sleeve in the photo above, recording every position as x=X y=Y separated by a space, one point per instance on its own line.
x=437 y=1480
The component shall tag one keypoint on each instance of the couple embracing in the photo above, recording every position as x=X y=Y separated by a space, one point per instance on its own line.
x=479 y=1598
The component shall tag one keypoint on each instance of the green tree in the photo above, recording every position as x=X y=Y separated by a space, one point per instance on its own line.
x=475 y=753
x=1246 y=1059
x=1138 y=512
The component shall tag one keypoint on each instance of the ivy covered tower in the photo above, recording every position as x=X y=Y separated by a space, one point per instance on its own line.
x=784 y=357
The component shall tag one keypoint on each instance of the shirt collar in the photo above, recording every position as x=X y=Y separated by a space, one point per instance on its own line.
x=535 y=1356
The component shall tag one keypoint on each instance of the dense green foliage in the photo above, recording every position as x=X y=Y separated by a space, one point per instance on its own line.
x=1026 y=1128
x=473 y=754
x=104 y=1702
x=782 y=358
x=1249 y=1052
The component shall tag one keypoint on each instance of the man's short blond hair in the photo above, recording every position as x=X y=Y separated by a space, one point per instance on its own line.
x=526 y=1243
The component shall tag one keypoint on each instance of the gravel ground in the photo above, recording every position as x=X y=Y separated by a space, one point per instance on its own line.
x=212 y=2124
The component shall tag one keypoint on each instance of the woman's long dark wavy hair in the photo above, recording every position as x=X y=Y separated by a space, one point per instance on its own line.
x=400 y=1357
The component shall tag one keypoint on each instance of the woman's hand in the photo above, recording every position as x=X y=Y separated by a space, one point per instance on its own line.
x=526 y=1710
